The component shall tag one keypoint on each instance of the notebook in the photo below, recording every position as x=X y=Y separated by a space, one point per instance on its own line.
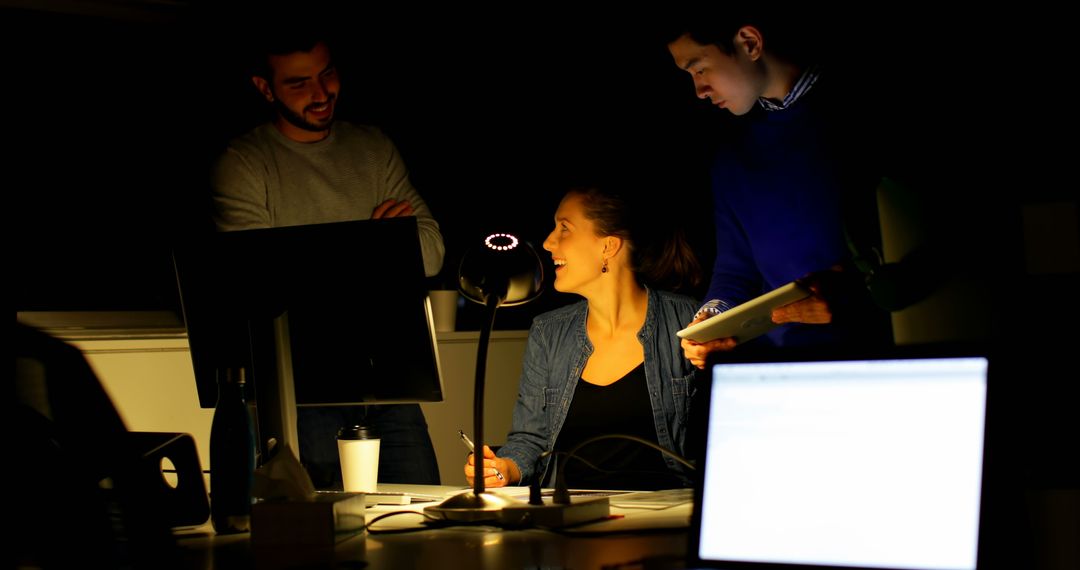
x=842 y=462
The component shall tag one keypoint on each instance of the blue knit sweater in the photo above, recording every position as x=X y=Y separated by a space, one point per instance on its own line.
x=780 y=185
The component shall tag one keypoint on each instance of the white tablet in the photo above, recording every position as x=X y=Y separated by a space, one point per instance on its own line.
x=747 y=320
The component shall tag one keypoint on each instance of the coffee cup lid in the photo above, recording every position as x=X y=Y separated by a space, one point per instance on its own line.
x=358 y=431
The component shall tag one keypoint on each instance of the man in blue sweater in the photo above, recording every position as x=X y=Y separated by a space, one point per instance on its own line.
x=788 y=176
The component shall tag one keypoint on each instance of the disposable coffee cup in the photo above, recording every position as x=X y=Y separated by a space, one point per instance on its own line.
x=358 y=448
x=444 y=309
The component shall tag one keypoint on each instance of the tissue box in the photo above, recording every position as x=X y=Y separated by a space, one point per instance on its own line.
x=323 y=521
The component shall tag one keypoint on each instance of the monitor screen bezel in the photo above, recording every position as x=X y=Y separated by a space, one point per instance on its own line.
x=235 y=285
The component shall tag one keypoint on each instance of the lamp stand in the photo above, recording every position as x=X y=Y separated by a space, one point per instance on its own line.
x=477 y=505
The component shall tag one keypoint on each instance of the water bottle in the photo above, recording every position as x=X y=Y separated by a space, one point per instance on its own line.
x=232 y=455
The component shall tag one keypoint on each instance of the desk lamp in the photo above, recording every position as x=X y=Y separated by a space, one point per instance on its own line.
x=503 y=271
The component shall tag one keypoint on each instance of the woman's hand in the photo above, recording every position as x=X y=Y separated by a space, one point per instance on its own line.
x=498 y=471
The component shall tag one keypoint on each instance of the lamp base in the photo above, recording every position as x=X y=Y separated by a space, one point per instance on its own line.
x=470 y=507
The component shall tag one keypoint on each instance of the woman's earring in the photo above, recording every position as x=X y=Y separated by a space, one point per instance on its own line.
x=604 y=268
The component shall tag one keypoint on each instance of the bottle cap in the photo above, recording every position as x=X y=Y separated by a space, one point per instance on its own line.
x=357 y=432
x=232 y=375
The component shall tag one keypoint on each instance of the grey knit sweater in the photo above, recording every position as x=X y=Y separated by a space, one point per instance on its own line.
x=264 y=179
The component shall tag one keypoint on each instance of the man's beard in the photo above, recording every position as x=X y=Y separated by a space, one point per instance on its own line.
x=298 y=120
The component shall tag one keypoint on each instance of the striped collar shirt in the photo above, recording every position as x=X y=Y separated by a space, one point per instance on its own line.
x=801 y=87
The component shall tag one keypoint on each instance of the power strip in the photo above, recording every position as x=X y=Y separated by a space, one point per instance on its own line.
x=580 y=510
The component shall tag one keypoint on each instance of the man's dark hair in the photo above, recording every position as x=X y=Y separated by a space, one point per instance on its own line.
x=281 y=40
x=787 y=30
x=281 y=27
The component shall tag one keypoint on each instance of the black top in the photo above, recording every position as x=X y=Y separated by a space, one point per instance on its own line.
x=621 y=407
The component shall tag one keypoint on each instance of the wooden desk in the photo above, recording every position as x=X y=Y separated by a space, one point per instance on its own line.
x=656 y=535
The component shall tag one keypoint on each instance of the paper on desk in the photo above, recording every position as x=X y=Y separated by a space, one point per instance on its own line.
x=283 y=478
x=515 y=491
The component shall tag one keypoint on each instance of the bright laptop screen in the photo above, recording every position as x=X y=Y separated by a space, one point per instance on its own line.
x=863 y=463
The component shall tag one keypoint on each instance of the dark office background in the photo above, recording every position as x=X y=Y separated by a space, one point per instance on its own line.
x=119 y=108
x=126 y=105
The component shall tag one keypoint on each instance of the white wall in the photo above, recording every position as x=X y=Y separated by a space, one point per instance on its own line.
x=957 y=310
x=457 y=356
x=152 y=385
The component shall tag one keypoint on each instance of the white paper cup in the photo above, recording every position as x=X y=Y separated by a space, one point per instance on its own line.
x=358 y=450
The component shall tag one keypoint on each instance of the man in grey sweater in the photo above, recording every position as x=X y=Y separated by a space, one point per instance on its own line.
x=305 y=168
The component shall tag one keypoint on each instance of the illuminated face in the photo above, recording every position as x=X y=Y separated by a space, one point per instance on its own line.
x=304 y=90
x=575 y=248
x=730 y=81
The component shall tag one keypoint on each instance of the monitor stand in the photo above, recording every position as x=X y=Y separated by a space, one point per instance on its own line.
x=275 y=393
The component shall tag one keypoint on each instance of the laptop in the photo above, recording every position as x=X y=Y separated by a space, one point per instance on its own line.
x=813 y=460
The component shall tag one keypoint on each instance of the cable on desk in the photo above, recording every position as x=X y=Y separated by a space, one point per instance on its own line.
x=370 y=530
x=561 y=495
x=534 y=487
x=430 y=523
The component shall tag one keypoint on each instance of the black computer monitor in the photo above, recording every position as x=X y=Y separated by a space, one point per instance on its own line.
x=326 y=314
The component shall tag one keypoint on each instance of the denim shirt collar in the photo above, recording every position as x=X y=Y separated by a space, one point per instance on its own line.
x=643 y=335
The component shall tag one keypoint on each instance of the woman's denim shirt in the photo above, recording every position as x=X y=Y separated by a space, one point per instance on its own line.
x=555 y=356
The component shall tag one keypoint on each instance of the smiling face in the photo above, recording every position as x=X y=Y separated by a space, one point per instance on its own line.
x=303 y=87
x=731 y=81
x=576 y=249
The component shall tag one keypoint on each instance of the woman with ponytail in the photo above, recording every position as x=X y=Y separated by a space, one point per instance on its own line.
x=609 y=364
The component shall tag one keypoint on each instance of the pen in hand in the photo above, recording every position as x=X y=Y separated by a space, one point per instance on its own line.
x=469 y=444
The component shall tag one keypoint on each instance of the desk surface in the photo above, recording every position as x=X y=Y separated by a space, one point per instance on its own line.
x=624 y=541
